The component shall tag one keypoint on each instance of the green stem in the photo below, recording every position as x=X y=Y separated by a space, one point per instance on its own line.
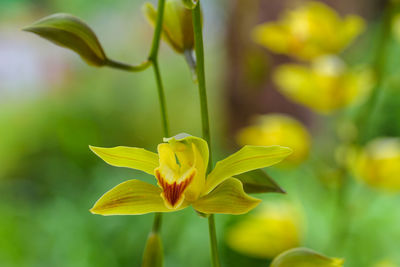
x=157 y=31
x=157 y=222
x=123 y=66
x=161 y=97
x=153 y=58
x=213 y=241
x=199 y=49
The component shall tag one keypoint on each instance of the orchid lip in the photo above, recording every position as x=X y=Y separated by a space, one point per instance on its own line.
x=173 y=193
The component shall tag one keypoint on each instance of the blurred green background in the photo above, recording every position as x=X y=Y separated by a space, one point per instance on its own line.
x=52 y=106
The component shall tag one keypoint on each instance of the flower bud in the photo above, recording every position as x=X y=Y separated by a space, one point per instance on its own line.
x=300 y=257
x=177 y=24
x=153 y=252
x=70 y=32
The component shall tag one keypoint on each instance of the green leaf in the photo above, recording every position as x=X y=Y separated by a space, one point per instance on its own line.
x=153 y=252
x=304 y=257
x=70 y=32
x=258 y=181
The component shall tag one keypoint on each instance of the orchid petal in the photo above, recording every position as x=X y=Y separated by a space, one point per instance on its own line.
x=129 y=157
x=132 y=197
x=228 y=198
x=191 y=151
x=184 y=138
x=246 y=159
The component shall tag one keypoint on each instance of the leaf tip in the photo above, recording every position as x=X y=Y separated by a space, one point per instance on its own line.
x=280 y=190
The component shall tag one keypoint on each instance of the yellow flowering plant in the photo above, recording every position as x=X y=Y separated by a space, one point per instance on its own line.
x=182 y=165
x=309 y=31
x=180 y=170
x=70 y=32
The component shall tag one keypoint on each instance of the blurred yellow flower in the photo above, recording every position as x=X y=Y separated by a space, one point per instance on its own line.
x=180 y=170
x=386 y=263
x=327 y=85
x=396 y=26
x=275 y=228
x=378 y=164
x=309 y=31
x=273 y=129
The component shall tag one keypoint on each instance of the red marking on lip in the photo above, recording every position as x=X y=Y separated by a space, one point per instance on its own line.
x=173 y=192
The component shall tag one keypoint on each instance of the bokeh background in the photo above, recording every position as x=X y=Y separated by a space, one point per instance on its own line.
x=52 y=106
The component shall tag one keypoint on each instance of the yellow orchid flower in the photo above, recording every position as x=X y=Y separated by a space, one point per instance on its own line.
x=273 y=129
x=378 y=164
x=180 y=170
x=327 y=85
x=276 y=227
x=309 y=31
